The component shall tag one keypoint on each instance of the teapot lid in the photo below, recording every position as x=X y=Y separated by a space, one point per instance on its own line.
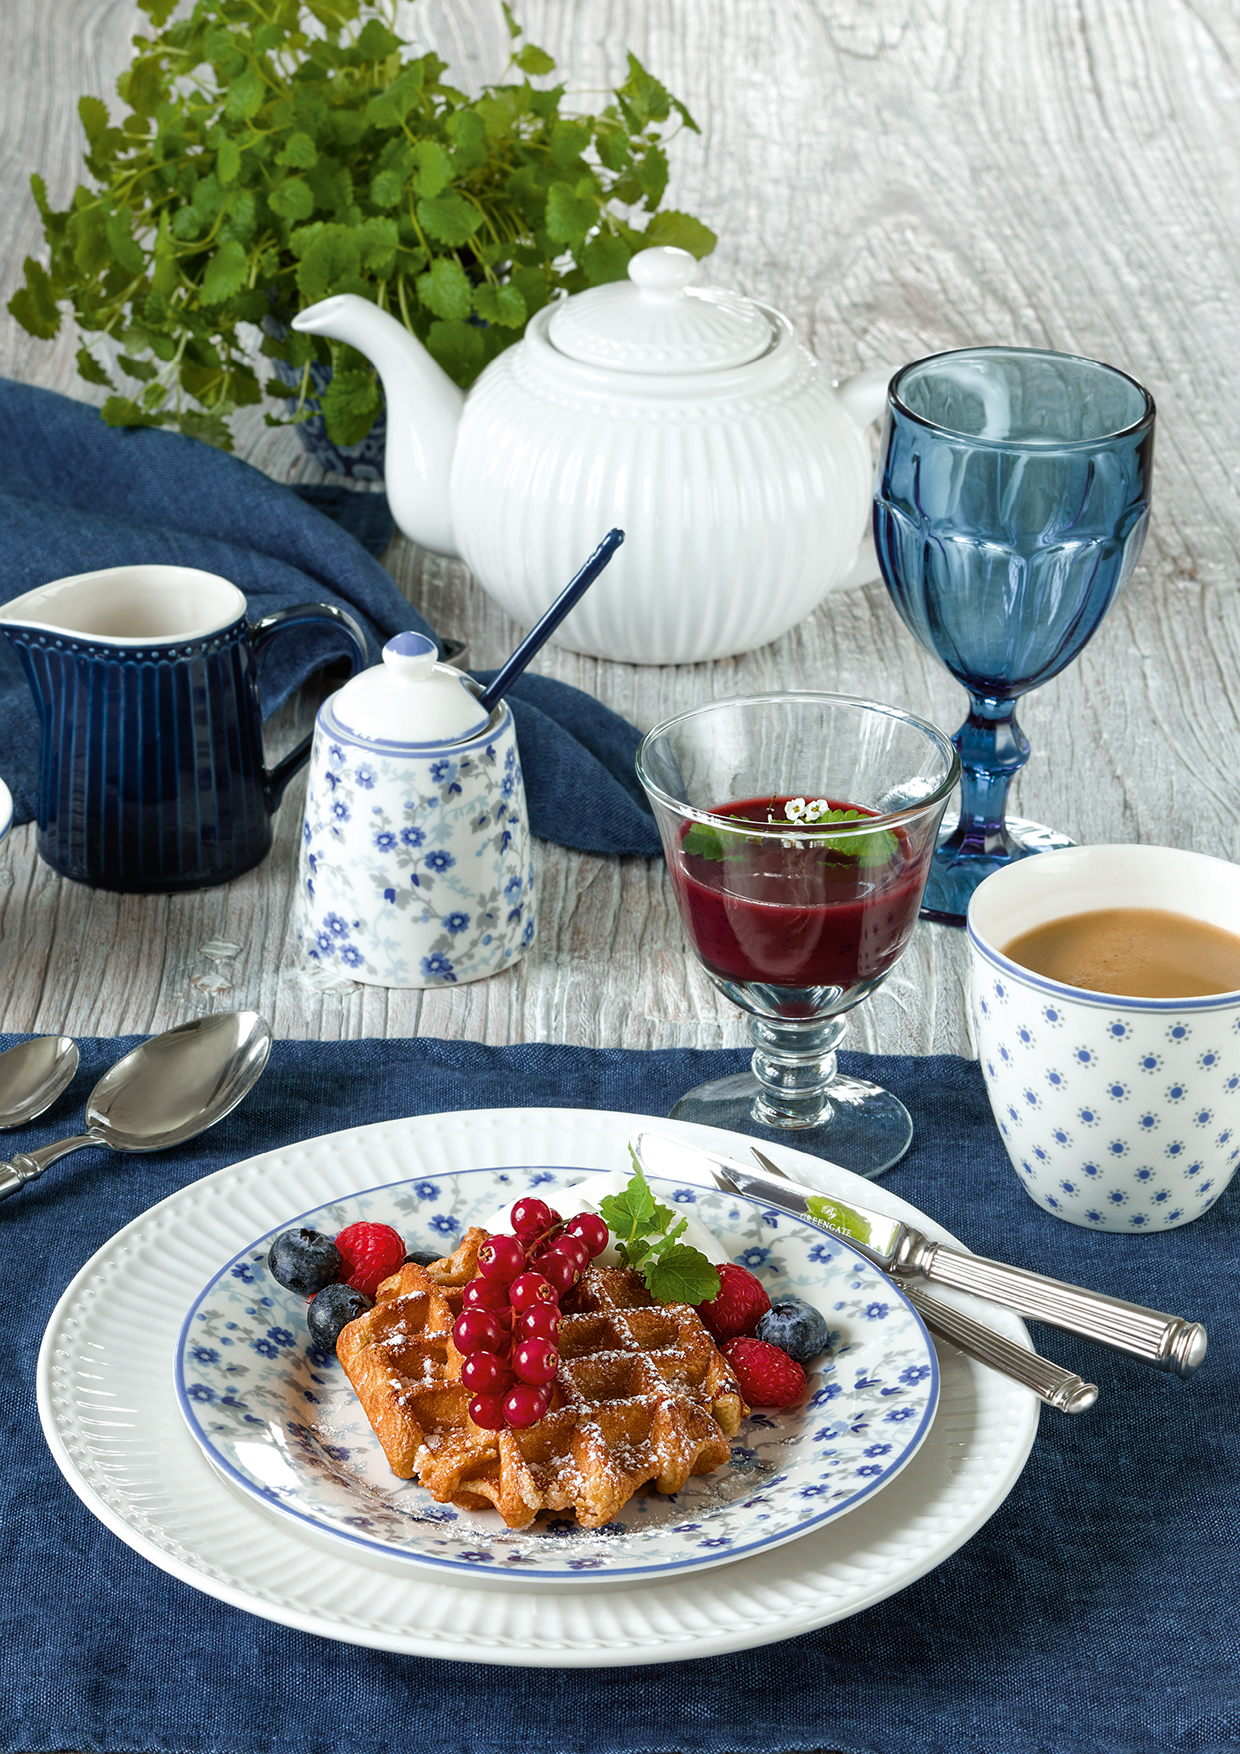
x=657 y=321
x=409 y=698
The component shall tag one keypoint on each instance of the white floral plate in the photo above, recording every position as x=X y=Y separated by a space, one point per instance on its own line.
x=277 y=1415
x=109 y=1410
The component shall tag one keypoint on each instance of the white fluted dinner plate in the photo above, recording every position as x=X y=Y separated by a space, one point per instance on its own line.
x=109 y=1411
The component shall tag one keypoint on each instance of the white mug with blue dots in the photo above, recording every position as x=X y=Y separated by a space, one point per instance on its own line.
x=1118 y=1113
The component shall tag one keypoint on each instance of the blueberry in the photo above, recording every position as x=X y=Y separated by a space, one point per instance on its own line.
x=333 y=1309
x=422 y=1257
x=304 y=1261
x=796 y=1328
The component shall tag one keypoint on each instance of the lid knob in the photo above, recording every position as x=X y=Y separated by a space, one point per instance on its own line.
x=410 y=656
x=663 y=272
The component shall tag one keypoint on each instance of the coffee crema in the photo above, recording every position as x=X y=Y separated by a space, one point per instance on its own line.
x=1132 y=952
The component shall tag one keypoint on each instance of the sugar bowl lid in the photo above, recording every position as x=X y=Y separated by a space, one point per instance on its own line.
x=657 y=321
x=409 y=698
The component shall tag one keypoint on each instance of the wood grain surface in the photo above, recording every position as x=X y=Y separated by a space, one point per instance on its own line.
x=898 y=178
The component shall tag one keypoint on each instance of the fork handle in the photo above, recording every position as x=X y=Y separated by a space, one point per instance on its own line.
x=1050 y=1382
x=1167 y=1342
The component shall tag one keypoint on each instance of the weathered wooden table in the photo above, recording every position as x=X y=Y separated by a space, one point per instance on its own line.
x=898 y=178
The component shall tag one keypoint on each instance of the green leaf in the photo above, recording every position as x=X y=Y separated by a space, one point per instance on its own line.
x=514 y=29
x=142 y=86
x=445 y=289
x=158 y=11
x=569 y=140
x=468 y=134
x=532 y=60
x=386 y=188
x=243 y=387
x=292 y=199
x=245 y=96
x=34 y=304
x=142 y=369
x=94 y=114
x=434 y=168
x=154 y=396
x=643 y=96
x=377 y=243
x=350 y=404
x=682 y=1274
x=298 y=150
x=633 y=1213
x=652 y=175
x=500 y=304
x=126 y=252
x=201 y=381
x=332 y=256
x=210 y=428
x=449 y=218
x=228 y=161
x=187 y=222
x=605 y=258
x=459 y=349
x=570 y=212
x=376 y=42
x=123 y=411
x=226 y=273
x=87 y=233
x=682 y=230
x=90 y=369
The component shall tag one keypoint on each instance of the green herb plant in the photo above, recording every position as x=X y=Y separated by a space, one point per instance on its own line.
x=279 y=151
x=646 y=1239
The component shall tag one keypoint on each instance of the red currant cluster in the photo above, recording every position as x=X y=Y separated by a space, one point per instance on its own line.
x=511 y=1319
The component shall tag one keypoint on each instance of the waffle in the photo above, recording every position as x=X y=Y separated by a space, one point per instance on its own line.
x=642 y=1395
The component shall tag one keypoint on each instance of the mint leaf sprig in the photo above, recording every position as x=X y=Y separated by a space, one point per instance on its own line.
x=646 y=1236
x=704 y=841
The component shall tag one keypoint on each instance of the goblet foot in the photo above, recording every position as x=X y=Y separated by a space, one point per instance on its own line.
x=955 y=873
x=860 y=1127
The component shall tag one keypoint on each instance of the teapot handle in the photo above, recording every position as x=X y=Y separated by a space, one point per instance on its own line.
x=261 y=632
x=864 y=395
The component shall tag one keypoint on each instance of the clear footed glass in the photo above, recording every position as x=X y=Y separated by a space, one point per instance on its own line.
x=799 y=831
x=794 y=1088
x=1011 y=507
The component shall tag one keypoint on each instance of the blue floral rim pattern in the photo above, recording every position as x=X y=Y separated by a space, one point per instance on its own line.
x=279 y=1419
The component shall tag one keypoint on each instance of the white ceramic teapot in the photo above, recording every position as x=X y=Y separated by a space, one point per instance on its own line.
x=692 y=419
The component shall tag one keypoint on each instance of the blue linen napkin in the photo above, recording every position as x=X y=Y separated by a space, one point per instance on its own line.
x=1095 y=1613
x=76 y=495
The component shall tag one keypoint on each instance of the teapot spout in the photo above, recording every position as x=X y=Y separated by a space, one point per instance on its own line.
x=423 y=413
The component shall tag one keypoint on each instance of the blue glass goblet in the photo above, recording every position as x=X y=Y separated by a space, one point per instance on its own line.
x=1011 y=506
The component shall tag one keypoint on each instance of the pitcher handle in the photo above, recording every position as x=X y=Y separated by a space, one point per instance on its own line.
x=261 y=633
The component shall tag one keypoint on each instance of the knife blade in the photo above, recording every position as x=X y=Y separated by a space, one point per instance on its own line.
x=1167 y=1342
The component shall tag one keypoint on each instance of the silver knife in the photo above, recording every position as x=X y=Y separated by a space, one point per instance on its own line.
x=1168 y=1342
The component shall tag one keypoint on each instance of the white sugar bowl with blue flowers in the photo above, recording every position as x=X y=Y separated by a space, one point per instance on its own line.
x=414 y=868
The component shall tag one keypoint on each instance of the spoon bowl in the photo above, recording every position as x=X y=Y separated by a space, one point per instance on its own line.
x=177 y=1084
x=166 y=1091
x=32 y=1075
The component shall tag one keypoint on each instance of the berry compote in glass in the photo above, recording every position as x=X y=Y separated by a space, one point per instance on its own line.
x=798 y=829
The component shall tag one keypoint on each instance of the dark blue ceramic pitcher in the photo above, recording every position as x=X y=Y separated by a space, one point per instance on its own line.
x=151 y=772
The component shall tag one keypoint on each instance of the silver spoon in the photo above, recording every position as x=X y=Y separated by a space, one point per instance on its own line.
x=168 y=1090
x=32 y=1075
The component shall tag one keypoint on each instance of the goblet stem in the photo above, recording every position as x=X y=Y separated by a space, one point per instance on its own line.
x=794 y=1063
x=992 y=750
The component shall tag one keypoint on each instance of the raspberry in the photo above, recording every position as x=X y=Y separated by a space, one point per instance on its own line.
x=767 y=1376
x=372 y=1253
x=738 y=1308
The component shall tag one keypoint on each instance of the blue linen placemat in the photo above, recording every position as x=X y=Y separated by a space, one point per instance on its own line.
x=77 y=496
x=1095 y=1613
